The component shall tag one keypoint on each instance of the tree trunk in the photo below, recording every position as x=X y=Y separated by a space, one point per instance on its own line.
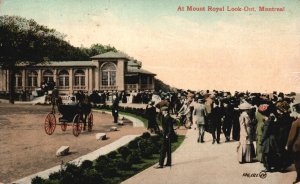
x=11 y=85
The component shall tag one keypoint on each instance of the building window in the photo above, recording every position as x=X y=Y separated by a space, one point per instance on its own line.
x=32 y=79
x=144 y=79
x=18 y=79
x=79 y=78
x=48 y=76
x=63 y=78
x=108 y=74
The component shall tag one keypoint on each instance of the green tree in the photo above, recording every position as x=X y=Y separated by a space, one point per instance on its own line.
x=96 y=49
x=25 y=41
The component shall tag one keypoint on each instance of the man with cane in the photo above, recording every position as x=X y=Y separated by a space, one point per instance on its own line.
x=168 y=134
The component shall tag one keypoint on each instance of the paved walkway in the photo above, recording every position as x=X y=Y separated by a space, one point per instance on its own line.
x=208 y=164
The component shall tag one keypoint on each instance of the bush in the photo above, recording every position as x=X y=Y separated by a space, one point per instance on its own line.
x=146 y=135
x=133 y=144
x=134 y=157
x=124 y=151
x=147 y=148
x=37 y=180
x=55 y=176
x=123 y=165
x=87 y=164
x=112 y=155
x=106 y=166
x=73 y=169
x=92 y=177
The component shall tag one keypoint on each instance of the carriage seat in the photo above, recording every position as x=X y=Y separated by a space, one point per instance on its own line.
x=68 y=112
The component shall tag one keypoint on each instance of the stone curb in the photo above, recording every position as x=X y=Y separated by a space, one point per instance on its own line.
x=135 y=122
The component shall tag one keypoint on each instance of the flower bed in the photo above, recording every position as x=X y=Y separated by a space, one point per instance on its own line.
x=114 y=167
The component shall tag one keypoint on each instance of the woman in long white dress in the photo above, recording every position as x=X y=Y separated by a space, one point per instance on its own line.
x=245 y=149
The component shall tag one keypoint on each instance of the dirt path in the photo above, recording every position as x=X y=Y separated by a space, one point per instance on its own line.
x=25 y=148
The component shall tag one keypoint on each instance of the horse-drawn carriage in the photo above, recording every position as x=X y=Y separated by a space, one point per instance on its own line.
x=75 y=115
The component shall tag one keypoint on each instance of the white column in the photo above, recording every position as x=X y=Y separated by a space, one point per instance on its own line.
x=39 y=79
x=97 y=75
x=55 y=75
x=24 y=78
x=120 y=75
x=86 y=79
x=71 y=80
x=91 y=79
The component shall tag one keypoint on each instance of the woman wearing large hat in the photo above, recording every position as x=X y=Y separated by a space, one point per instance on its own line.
x=245 y=149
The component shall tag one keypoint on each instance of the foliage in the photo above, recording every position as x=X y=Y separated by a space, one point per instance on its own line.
x=112 y=155
x=134 y=157
x=124 y=151
x=87 y=164
x=37 y=180
x=133 y=144
x=146 y=135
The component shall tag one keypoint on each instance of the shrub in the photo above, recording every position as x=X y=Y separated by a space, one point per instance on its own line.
x=147 y=148
x=73 y=169
x=37 y=180
x=133 y=144
x=134 y=157
x=124 y=151
x=55 y=176
x=146 y=135
x=123 y=165
x=87 y=164
x=92 y=177
x=106 y=166
x=112 y=155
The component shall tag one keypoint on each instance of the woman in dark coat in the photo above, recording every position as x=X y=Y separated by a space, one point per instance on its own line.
x=270 y=149
x=151 y=116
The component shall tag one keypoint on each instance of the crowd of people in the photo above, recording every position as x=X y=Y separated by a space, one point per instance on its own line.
x=248 y=118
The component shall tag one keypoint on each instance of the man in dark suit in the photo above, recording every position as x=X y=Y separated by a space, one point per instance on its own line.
x=168 y=133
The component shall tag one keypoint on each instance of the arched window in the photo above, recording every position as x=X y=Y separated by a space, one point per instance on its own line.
x=108 y=73
x=48 y=76
x=79 y=78
x=18 y=79
x=32 y=78
x=63 y=76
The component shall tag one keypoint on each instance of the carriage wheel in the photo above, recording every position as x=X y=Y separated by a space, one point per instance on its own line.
x=64 y=126
x=50 y=123
x=90 y=122
x=77 y=125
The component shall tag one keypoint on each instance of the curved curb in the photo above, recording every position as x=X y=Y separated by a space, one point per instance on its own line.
x=135 y=122
x=90 y=156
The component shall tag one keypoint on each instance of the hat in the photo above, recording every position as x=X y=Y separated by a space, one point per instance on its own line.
x=283 y=106
x=245 y=106
x=297 y=107
x=264 y=109
x=164 y=108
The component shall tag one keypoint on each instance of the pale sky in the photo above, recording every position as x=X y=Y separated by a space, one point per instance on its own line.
x=256 y=51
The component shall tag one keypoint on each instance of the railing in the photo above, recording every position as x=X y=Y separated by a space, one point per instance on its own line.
x=26 y=88
x=146 y=87
x=109 y=88
x=63 y=87
x=131 y=87
x=79 y=87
